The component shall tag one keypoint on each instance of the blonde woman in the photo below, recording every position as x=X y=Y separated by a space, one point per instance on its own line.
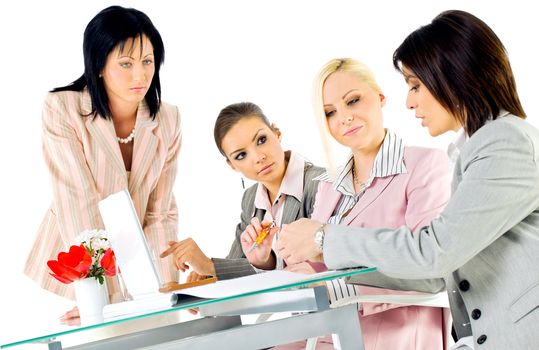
x=383 y=183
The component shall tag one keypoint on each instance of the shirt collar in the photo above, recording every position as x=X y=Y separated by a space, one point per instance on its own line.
x=454 y=148
x=291 y=185
x=389 y=161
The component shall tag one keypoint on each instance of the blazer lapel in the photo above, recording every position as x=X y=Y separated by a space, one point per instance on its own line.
x=290 y=210
x=102 y=131
x=374 y=191
x=144 y=148
x=259 y=214
x=323 y=211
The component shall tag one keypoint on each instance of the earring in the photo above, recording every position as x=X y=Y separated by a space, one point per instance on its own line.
x=101 y=75
x=242 y=183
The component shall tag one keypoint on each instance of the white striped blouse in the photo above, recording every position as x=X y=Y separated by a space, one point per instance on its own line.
x=389 y=161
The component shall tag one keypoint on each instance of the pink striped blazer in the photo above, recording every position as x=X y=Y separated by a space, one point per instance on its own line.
x=86 y=165
x=412 y=199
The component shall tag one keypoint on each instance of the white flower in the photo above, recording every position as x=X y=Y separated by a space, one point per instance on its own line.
x=94 y=239
x=100 y=243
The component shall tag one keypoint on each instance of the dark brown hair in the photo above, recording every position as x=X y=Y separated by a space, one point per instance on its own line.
x=464 y=65
x=231 y=115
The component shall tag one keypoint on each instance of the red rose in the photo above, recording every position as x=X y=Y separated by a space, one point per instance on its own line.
x=71 y=266
x=108 y=263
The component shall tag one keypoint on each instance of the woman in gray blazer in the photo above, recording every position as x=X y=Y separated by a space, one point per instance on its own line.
x=284 y=192
x=485 y=244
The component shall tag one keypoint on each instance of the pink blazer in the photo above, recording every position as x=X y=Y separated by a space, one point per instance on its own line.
x=86 y=165
x=412 y=199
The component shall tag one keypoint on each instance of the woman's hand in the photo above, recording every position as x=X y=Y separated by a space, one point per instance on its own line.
x=187 y=254
x=296 y=242
x=260 y=256
x=194 y=276
x=71 y=318
x=307 y=268
x=302 y=267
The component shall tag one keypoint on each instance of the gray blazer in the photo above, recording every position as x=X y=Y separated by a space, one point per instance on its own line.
x=235 y=264
x=485 y=244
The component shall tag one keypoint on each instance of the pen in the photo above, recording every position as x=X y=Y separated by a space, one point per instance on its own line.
x=262 y=236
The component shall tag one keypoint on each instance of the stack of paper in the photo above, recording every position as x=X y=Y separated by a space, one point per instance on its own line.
x=140 y=306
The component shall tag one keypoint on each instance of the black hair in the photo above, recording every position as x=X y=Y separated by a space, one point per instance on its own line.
x=110 y=28
x=464 y=65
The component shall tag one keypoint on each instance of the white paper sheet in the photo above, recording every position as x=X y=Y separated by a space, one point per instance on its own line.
x=140 y=306
x=248 y=284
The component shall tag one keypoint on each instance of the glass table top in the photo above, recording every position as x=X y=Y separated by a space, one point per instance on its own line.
x=60 y=330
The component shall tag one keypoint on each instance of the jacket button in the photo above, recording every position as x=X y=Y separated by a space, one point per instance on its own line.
x=476 y=313
x=464 y=285
x=481 y=339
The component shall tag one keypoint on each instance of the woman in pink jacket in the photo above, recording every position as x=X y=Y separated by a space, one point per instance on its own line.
x=105 y=132
x=382 y=184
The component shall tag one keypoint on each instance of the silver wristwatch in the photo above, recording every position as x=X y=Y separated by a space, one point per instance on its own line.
x=319 y=237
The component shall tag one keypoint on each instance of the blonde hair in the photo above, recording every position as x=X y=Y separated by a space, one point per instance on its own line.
x=349 y=65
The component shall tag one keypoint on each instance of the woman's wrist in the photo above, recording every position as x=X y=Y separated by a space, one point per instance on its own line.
x=269 y=264
x=209 y=269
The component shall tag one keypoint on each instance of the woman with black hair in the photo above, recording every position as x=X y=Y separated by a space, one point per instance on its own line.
x=485 y=243
x=105 y=132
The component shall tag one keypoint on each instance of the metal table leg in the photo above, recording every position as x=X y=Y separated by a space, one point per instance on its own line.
x=153 y=337
x=342 y=321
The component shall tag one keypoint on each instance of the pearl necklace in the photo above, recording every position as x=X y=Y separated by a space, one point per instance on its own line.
x=128 y=139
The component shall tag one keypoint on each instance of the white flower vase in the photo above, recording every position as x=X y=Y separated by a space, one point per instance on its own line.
x=91 y=298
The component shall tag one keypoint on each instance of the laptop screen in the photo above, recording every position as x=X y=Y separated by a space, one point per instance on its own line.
x=127 y=238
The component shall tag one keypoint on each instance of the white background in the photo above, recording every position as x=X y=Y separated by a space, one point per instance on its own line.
x=217 y=53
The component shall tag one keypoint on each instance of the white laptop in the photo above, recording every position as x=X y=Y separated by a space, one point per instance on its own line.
x=134 y=258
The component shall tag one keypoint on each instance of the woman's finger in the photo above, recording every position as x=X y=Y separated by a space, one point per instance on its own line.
x=250 y=234
x=256 y=224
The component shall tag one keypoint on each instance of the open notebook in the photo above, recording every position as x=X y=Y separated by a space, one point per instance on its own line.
x=134 y=257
